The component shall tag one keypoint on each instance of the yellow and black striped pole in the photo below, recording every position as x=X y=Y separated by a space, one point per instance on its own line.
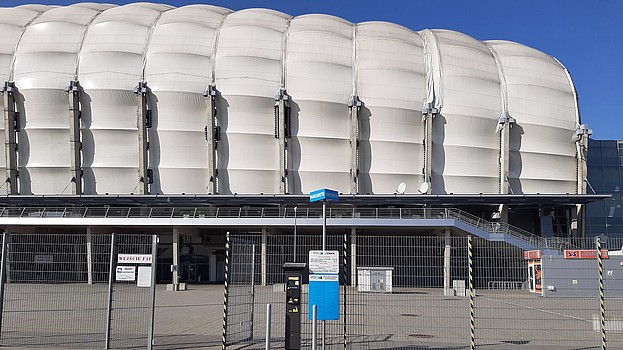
x=602 y=306
x=345 y=263
x=472 y=324
x=225 y=293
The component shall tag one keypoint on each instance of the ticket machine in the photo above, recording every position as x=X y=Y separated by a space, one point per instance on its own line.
x=294 y=284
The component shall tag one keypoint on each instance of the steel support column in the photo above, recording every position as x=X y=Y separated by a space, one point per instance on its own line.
x=143 y=122
x=505 y=123
x=447 y=268
x=212 y=136
x=176 y=258
x=353 y=256
x=73 y=93
x=354 y=106
x=11 y=128
x=282 y=132
x=581 y=137
x=429 y=117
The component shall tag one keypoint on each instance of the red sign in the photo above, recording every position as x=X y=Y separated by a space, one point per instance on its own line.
x=532 y=255
x=584 y=254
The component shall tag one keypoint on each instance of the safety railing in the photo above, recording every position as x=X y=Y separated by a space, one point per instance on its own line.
x=287 y=212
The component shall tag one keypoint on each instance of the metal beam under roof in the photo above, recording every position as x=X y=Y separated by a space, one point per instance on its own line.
x=436 y=200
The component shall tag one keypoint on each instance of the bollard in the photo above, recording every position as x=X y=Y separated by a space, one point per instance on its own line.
x=268 y=325
x=314 y=331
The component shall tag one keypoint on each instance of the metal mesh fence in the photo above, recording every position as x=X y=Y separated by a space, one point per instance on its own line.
x=411 y=292
x=56 y=292
x=47 y=297
x=132 y=300
x=269 y=288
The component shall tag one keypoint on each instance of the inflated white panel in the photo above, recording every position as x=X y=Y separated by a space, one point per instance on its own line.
x=177 y=147
x=320 y=80
x=111 y=65
x=113 y=49
x=178 y=70
x=320 y=60
x=44 y=153
x=112 y=126
x=541 y=99
x=391 y=80
x=12 y=23
x=248 y=151
x=465 y=154
x=180 y=51
x=322 y=147
x=248 y=76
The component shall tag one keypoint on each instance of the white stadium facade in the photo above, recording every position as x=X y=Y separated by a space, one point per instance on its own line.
x=190 y=122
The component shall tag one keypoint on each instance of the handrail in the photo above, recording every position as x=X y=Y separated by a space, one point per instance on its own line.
x=499 y=228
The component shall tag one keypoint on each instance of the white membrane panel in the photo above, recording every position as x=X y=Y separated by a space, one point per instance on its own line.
x=390 y=82
x=466 y=145
x=178 y=70
x=319 y=79
x=541 y=99
x=248 y=76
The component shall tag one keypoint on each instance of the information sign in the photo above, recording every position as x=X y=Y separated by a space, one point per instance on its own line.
x=125 y=273
x=324 y=194
x=134 y=259
x=327 y=261
x=324 y=292
x=144 y=276
x=584 y=254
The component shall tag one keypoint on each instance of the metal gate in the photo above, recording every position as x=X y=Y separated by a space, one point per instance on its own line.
x=77 y=290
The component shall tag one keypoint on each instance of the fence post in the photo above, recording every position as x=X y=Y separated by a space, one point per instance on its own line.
x=5 y=241
x=152 y=292
x=602 y=305
x=268 y=325
x=470 y=261
x=252 y=289
x=111 y=274
x=345 y=269
x=225 y=293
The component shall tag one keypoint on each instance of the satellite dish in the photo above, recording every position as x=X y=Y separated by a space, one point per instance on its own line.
x=402 y=187
x=423 y=188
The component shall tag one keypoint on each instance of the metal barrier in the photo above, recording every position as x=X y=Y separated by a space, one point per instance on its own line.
x=77 y=290
x=499 y=228
x=424 y=299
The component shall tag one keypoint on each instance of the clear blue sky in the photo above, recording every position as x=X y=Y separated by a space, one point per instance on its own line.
x=586 y=36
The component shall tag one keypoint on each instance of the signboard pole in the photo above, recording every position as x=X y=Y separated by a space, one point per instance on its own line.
x=324 y=248
x=324 y=225
x=324 y=195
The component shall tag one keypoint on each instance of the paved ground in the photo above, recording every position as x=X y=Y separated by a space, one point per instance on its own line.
x=192 y=319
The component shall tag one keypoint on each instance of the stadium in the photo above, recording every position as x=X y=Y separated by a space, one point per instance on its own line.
x=189 y=122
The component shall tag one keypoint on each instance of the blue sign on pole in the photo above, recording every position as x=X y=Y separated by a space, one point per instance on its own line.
x=324 y=194
x=324 y=292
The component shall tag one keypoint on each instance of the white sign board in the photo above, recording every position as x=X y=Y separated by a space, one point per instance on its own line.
x=125 y=273
x=144 y=276
x=327 y=261
x=324 y=278
x=134 y=259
